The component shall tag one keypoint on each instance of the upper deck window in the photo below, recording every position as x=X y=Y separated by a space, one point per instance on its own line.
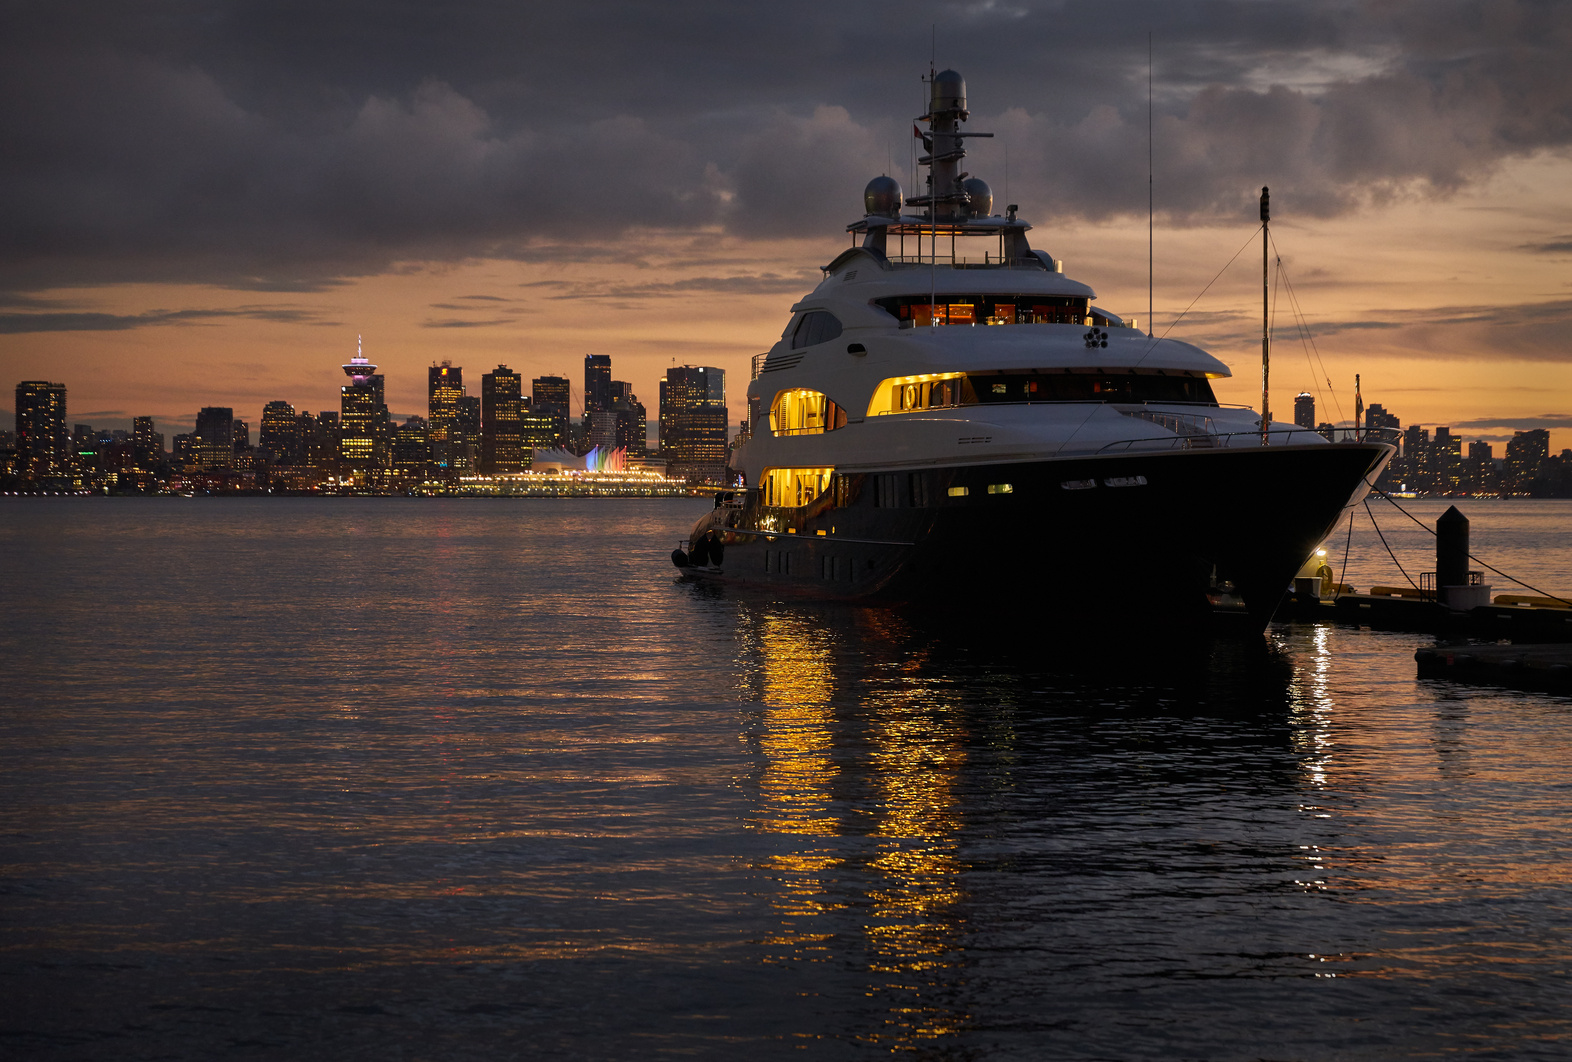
x=941 y=390
x=814 y=327
x=945 y=309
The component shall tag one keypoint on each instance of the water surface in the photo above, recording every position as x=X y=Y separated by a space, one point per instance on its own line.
x=449 y=779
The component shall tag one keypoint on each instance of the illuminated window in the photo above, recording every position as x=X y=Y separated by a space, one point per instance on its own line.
x=803 y=412
x=938 y=390
x=929 y=391
x=1001 y=488
x=1000 y=309
x=793 y=487
x=958 y=492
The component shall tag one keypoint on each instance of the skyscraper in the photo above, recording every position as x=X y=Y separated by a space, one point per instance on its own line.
x=363 y=448
x=693 y=423
x=1377 y=417
x=215 y=438
x=411 y=452
x=632 y=422
x=467 y=455
x=147 y=445
x=43 y=449
x=1304 y=410
x=444 y=388
x=597 y=383
x=501 y=417
x=1525 y=452
x=322 y=443
x=549 y=397
x=279 y=434
x=1446 y=461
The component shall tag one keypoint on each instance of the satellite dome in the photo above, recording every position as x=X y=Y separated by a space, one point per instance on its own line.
x=948 y=93
x=981 y=195
x=883 y=197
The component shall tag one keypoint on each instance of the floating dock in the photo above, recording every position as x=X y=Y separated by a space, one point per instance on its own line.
x=1517 y=622
x=1547 y=668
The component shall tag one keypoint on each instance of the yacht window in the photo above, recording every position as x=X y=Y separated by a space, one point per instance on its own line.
x=803 y=412
x=905 y=394
x=929 y=309
x=815 y=327
x=793 y=487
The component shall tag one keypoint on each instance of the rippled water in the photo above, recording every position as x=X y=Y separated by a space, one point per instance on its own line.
x=428 y=779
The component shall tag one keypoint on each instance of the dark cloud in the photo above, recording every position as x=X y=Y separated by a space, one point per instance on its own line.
x=456 y=323
x=82 y=321
x=1549 y=420
x=1559 y=245
x=284 y=146
x=762 y=284
x=1534 y=331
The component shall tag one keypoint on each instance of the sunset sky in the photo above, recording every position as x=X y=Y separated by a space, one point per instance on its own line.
x=205 y=203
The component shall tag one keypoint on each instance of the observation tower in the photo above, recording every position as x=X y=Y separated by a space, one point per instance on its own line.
x=359 y=370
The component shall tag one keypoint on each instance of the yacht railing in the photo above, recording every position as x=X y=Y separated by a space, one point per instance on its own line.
x=758 y=364
x=1189 y=425
x=1247 y=439
x=962 y=261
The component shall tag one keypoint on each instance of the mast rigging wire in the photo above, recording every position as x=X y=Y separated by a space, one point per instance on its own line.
x=1154 y=339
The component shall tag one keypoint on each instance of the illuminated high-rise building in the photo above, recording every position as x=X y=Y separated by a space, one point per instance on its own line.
x=410 y=452
x=632 y=422
x=444 y=388
x=600 y=431
x=279 y=434
x=1526 y=451
x=550 y=397
x=215 y=438
x=322 y=442
x=43 y=448
x=1304 y=410
x=147 y=445
x=501 y=421
x=469 y=433
x=597 y=383
x=363 y=444
x=694 y=423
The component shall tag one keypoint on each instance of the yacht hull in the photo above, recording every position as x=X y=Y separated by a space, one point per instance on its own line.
x=1058 y=542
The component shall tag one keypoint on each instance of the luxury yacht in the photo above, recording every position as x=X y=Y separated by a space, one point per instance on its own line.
x=949 y=417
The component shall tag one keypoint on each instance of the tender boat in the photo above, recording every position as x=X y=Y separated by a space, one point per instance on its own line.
x=948 y=417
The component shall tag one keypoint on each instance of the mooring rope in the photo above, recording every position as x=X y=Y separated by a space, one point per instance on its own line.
x=1476 y=560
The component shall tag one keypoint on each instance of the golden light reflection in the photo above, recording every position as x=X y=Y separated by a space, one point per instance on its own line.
x=874 y=876
x=796 y=740
x=915 y=926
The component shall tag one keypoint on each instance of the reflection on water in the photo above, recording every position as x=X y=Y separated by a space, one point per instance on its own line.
x=904 y=746
x=495 y=793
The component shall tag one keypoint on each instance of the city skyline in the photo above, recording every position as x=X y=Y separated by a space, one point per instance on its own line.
x=193 y=190
x=362 y=447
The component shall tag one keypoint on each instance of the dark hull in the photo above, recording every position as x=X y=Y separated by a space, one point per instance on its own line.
x=1155 y=535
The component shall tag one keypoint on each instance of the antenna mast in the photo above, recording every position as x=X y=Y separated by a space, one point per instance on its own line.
x=1266 y=336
